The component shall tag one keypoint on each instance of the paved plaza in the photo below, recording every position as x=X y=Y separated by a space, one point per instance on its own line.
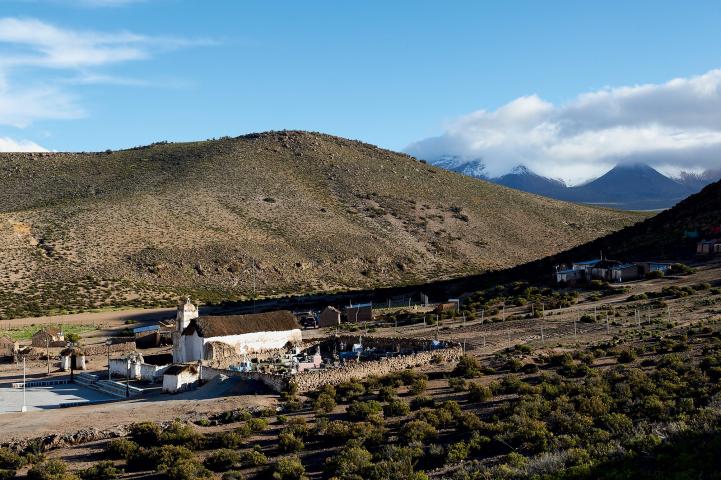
x=47 y=397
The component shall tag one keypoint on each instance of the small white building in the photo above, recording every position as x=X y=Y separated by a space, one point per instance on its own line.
x=179 y=378
x=222 y=336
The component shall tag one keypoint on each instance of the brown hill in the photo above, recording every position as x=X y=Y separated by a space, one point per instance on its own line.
x=290 y=212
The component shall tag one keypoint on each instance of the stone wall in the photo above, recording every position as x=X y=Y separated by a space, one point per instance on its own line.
x=313 y=379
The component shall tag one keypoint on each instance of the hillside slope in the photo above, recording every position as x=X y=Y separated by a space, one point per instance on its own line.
x=289 y=212
x=661 y=237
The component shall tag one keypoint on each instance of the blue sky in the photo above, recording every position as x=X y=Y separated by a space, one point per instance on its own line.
x=97 y=74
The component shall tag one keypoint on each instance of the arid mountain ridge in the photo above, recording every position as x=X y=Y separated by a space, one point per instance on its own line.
x=272 y=213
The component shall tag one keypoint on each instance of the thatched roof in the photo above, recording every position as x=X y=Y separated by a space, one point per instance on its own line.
x=6 y=341
x=223 y=325
x=50 y=330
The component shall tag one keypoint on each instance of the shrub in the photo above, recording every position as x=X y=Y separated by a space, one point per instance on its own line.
x=158 y=458
x=627 y=356
x=288 y=442
x=289 y=469
x=181 y=434
x=396 y=408
x=222 y=460
x=418 y=431
x=478 y=392
x=7 y=474
x=422 y=402
x=467 y=367
x=50 y=470
x=360 y=411
x=324 y=403
x=145 y=434
x=257 y=424
x=353 y=461
x=457 y=384
x=457 y=452
x=418 y=386
x=253 y=458
x=233 y=439
x=10 y=460
x=187 y=469
x=101 y=471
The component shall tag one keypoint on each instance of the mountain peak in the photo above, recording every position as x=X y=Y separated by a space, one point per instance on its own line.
x=521 y=170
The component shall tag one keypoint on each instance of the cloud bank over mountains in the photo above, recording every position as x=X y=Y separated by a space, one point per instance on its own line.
x=674 y=127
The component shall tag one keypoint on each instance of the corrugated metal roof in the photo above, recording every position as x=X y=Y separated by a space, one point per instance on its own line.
x=148 y=328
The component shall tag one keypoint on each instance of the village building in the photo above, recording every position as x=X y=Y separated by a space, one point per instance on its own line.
x=148 y=368
x=359 y=313
x=329 y=317
x=570 y=276
x=72 y=358
x=179 y=378
x=221 y=336
x=48 y=336
x=614 y=271
x=646 y=268
x=709 y=247
x=8 y=347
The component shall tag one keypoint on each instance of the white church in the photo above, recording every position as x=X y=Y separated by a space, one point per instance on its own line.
x=211 y=337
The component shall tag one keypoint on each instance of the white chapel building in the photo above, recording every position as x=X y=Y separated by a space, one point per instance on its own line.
x=210 y=337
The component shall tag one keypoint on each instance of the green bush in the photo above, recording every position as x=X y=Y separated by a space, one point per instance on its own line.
x=478 y=392
x=418 y=386
x=253 y=458
x=187 y=469
x=352 y=462
x=289 y=469
x=145 y=434
x=467 y=367
x=324 y=403
x=10 y=460
x=396 y=408
x=363 y=410
x=50 y=470
x=222 y=460
x=288 y=442
x=182 y=435
x=257 y=424
x=101 y=471
x=457 y=384
x=7 y=474
x=158 y=458
x=418 y=431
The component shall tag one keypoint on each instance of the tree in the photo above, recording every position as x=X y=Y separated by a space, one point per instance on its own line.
x=324 y=403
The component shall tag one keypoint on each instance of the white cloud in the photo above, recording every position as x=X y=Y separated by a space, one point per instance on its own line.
x=9 y=145
x=32 y=45
x=673 y=126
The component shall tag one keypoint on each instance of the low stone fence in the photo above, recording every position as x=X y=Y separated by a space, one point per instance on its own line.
x=275 y=382
x=114 y=348
x=313 y=379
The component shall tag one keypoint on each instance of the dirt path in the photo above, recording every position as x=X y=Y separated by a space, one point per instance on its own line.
x=109 y=318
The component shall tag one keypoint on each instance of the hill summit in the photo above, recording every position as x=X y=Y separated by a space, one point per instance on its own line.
x=270 y=213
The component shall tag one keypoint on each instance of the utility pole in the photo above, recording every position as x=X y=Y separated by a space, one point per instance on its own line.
x=108 y=342
x=483 y=310
x=47 y=352
x=575 y=329
x=607 y=327
x=25 y=403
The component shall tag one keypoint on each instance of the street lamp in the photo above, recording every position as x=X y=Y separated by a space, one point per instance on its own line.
x=108 y=342
x=127 y=379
